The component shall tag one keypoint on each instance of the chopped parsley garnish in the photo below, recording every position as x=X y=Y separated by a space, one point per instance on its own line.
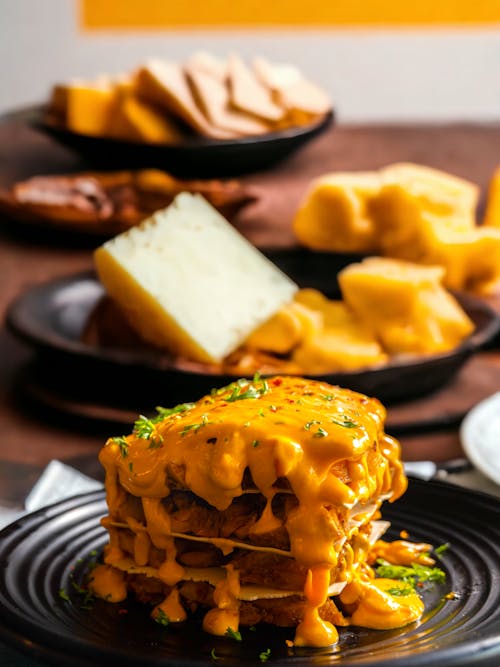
x=161 y=618
x=87 y=596
x=122 y=443
x=163 y=413
x=243 y=389
x=400 y=592
x=346 y=423
x=308 y=425
x=320 y=433
x=195 y=427
x=255 y=443
x=442 y=548
x=63 y=595
x=145 y=429
x=213 y=656
x=131 y=466
x=327 y=397
x=412 y=574
x=265 y=655
x=233 y=634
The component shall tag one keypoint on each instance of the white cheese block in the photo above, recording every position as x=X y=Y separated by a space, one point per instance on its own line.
x=189 y=282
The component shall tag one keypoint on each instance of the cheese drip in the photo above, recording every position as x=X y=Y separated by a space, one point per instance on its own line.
x=328 y=443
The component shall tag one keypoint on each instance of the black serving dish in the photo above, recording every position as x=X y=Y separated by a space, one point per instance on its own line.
x=52 y=317
x=194 y=157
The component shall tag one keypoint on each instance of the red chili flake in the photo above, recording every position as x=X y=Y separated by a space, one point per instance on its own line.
x=277 y=382
x=122 y=612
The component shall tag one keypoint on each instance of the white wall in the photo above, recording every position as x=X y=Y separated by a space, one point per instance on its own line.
x=373 y=75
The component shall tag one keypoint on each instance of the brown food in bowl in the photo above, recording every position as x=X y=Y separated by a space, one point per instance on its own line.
x=111 y=202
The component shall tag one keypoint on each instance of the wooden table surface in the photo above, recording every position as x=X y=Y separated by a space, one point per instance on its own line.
x=31 y=436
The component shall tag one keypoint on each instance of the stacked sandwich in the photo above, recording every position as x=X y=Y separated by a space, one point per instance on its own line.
x=257 y=503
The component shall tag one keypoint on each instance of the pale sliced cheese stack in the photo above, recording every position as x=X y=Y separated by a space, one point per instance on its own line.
x=188 y=282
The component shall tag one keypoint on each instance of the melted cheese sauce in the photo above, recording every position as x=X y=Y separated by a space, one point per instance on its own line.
x=327 y=442
x=108 y=583
x=402 y=552
x=375 y=607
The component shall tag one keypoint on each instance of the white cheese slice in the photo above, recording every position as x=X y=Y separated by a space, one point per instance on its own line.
x=189 y=282
x=213 y=575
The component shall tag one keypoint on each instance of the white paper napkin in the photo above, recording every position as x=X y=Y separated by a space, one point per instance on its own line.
x=57 y=482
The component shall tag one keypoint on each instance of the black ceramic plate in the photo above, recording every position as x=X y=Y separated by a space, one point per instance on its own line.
x=52 y=316
x=44 y=552
x=194 y=157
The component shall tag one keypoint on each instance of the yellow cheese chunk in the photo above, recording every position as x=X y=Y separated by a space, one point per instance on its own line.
x=406 y=211
x=285 y=329
x=139 y=121
x=189 y=282
x=471 y=257
x=435 y=191
x=415 y=201
x=90 y=108
x=404 y=305
x=336 y=215
x=343 y=344
x=492 y=213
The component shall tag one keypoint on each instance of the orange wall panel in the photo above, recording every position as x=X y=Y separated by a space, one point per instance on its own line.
x=158 y=14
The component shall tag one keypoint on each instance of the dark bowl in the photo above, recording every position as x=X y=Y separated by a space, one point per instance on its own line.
x=195 y=157
x=52 y=317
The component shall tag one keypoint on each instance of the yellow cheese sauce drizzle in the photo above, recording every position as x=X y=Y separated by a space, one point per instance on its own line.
x=283 y=428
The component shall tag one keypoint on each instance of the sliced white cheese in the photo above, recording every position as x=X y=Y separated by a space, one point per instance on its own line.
x=212 y=575
x=189 y=282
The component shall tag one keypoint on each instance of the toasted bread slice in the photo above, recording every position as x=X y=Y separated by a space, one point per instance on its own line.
x=302 y=99
x=165 y=84
x=210 y=64
x=250 y=95
x=212 y=96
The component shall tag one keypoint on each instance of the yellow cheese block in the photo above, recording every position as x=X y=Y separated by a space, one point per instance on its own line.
x=286 y=329
x=413 y=200
x=90 y=108
x=471 y=258
x=139 y=121
x=336 y=213
x=188 y=282
x=407 y=211
x=404 y=305
x=343 y=344
x=492 y=213
x=438 y=192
